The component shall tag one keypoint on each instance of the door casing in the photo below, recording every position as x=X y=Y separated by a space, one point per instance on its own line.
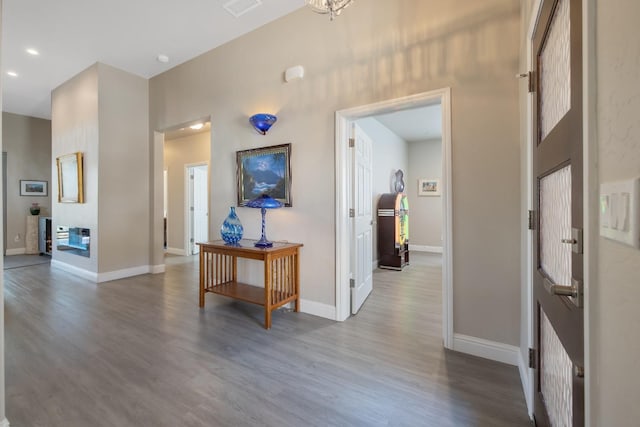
x=344 y=118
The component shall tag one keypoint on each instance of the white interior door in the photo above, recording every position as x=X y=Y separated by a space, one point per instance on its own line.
x=361 y=243
x=199 y=207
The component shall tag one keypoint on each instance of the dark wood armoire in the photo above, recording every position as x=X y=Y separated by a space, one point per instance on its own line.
x=393 y=231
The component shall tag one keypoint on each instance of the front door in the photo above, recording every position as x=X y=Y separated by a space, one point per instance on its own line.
x=362 y=241
x=558 y=259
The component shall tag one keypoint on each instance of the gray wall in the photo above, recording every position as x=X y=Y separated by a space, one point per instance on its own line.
x=178 y=153
x=375 y=51
x=123 y=181
x=614 y=316
x=74 y=127
x=27 y=141
x=103 y=112
x=2 y=410
x=425 y=213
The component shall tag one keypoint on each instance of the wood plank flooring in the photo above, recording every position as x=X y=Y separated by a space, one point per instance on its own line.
x=139 y=352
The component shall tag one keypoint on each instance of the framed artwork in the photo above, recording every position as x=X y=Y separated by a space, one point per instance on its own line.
x=33 y=188
x=264 y=171
x=70 y=185
x=428 y=187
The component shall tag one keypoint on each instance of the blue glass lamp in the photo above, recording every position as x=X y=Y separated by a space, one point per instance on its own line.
x=264 y=202
x=262 y=122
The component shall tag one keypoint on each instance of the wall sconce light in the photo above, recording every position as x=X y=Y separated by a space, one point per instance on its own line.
x=262 y=122
x=264 y=202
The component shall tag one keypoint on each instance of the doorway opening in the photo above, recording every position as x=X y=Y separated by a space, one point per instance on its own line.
x=349 y=246
x=185 y=154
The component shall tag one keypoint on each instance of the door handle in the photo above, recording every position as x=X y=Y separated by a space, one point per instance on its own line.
x=574 y=292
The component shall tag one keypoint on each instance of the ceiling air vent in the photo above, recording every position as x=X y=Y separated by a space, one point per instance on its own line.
x=239 y=7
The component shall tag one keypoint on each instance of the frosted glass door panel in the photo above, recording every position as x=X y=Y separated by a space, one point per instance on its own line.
x=556 y=379
x=555 y=71
x=555 y=225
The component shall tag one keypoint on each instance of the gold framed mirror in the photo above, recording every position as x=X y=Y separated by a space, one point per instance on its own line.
x=70 y=186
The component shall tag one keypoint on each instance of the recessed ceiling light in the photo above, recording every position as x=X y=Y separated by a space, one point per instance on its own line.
x=12 y=73
x=162 y=58
x=197 y=126
x=33 y=52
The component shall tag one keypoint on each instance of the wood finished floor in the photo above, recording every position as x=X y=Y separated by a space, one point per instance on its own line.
x=139 y=352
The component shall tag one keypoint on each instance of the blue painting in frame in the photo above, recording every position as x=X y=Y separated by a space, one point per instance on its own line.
x=264 y=170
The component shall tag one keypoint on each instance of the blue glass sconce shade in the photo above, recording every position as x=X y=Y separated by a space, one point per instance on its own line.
x=262 y=122
x=264 y=202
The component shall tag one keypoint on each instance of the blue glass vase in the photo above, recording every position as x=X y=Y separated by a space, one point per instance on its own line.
x=231 y=229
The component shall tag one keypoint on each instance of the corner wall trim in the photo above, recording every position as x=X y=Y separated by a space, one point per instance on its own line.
x=318 y=309
x=16 y=251
x=491 y=350
x=157 y=269
x=121 y=274
x=85 y=274
x=423 y=248
x=4 y=423
x=523 y=367
x=176 y=251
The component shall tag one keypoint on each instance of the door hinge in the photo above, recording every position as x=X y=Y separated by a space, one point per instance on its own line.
x=191 y=176
x=531 y=220
x=352 y=213
x=352 y=283
x=531 y=81
x=191 y=208
x=191 y=240
x=532 y=358
x=352 y=142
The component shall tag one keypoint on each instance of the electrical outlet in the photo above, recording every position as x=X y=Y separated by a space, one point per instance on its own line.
x=17 y=238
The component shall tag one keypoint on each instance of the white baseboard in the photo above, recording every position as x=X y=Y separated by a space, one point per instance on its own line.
x=524 y=369
x=4 y=423
x=491 y=350
x=157 y=269
x=81 y=272
x=109 y=275
x=121 y=274
x=176 y=251
x=423 y=248
x=16 y=251
x=318 y=309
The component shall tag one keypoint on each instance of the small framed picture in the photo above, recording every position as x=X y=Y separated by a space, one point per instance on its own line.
x=33 y=188
x=428 y=187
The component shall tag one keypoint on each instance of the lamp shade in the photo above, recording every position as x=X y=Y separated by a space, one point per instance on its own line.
x=262 y=122
x=264 y=201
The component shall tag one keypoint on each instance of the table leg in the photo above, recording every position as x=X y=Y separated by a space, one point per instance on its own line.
x=202 y=267
x=297 y=279
x=267 y=292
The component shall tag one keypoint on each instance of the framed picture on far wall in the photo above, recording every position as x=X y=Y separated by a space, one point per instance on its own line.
x=428 y=187
x=264 y=171
x=33 y=188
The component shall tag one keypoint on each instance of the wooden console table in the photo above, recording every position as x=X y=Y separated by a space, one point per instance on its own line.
x=219 y=274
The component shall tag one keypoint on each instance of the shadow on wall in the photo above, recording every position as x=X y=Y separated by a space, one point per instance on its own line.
x=467 y=50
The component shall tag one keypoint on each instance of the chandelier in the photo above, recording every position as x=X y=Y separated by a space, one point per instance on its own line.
x=331 y=7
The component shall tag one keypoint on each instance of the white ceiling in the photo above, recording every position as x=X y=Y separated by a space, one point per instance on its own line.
x=72 y=35
x=417 y=124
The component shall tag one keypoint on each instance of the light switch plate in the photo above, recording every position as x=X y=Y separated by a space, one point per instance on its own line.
x=620 y=211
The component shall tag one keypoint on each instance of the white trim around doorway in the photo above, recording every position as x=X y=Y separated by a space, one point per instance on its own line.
x=343 y=173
